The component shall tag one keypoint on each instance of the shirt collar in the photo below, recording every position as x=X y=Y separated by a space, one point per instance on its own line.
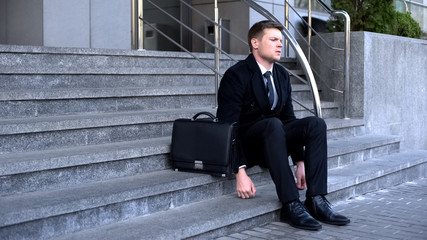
x=263 y=69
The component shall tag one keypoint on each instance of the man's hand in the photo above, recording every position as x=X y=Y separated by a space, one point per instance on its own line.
x=300 y=175
x=244 y=185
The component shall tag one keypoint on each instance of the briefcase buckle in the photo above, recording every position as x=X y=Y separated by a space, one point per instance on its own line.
x=198 y=165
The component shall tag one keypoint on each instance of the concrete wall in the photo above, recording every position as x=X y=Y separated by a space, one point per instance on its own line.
x=111 y=24
x=82 y=23
x=66 y=23
x=388 y=84
x=21 y=22
x=3 y=22
x=63 y=23
x=396 y=87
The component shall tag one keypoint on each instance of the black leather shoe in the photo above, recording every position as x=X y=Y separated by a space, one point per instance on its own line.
x=320 y=208
x=297 y=216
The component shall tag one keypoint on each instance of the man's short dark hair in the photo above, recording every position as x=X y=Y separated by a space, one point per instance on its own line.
x=257 y=29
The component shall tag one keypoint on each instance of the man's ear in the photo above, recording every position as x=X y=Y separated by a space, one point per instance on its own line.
x=254 y=43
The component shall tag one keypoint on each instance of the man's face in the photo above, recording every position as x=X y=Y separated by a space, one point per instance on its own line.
x=269 y=46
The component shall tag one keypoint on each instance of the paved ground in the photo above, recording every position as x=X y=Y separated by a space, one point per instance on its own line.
x=398 y=212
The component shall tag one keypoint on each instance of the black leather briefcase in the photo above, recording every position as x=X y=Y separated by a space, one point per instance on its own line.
x=204 y=145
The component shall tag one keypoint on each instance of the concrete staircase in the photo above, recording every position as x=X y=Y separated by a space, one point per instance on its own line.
x=84 y=143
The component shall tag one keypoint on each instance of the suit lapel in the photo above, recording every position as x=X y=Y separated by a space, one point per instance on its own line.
x=258 y=84
x=281 y=94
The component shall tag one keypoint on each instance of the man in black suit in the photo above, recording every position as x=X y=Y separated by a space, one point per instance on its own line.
x=256 y=93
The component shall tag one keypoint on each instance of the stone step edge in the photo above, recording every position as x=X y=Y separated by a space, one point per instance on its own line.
x=82 y=121
x=24 y=49
x=26 y=207
x=90 y=93
x=47 y=123
x=19 y=163
x=93 y=93
x=375 y=168
x=202 y=217
x=107 y=71
x=342 y=146
x=92 y=195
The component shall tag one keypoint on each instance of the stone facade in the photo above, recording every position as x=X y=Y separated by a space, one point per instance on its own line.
x=388 y=82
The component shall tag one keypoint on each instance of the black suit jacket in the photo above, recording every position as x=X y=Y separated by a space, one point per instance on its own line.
x=242 y=98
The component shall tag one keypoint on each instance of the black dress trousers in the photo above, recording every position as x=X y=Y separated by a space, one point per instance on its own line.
x=269 y=142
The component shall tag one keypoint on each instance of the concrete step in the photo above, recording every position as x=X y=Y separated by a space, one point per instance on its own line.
x=329 y=109
x=137 y=78
x=71 y=134
x=218 y=216
x=17 y=84
x=60 y=102
x=129 y=70
x=128 y=91
x=290 y=63
x=351 y=150
x=344 y=128
x=301 y=92
x=112 y=199
x=38 y=170
x=336 y=127
x=41 y=170
x=46 y=102
x=40 y=130
x=29 y=59
x=93 y=93
x=94 y=204
x=69 y=122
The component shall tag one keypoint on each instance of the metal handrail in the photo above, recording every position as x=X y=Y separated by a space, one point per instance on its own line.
x=406 y=2
x=415 y=3
x=406 y=6
x=304 y=21
x=210 y=20
x=317 y=34
x=179 y=45
x=191 y=30
x=330 y=88
x=343 y=14
x=300 y=55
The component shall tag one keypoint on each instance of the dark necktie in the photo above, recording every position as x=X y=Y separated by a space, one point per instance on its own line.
x=270 y=89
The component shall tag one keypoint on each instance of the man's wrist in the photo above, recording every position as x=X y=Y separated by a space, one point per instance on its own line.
x=242 y=170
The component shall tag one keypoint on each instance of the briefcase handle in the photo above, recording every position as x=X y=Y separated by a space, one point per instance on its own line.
x=214 y=119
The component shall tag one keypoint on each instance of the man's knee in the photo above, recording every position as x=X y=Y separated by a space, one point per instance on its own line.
x=273 y=124
x=273 y=127
x=316 y=124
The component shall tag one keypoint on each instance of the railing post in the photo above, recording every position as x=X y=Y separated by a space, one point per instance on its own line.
x=347 y=66
x=406 y=6
x=137 y=26
x=140 y=26
x=287 y=27
x=309 y=31
x=217 y=52
x=346 y=17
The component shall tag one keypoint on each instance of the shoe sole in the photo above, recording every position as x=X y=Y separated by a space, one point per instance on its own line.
x=334 y=223
x=302 y=227
x=327 y=222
